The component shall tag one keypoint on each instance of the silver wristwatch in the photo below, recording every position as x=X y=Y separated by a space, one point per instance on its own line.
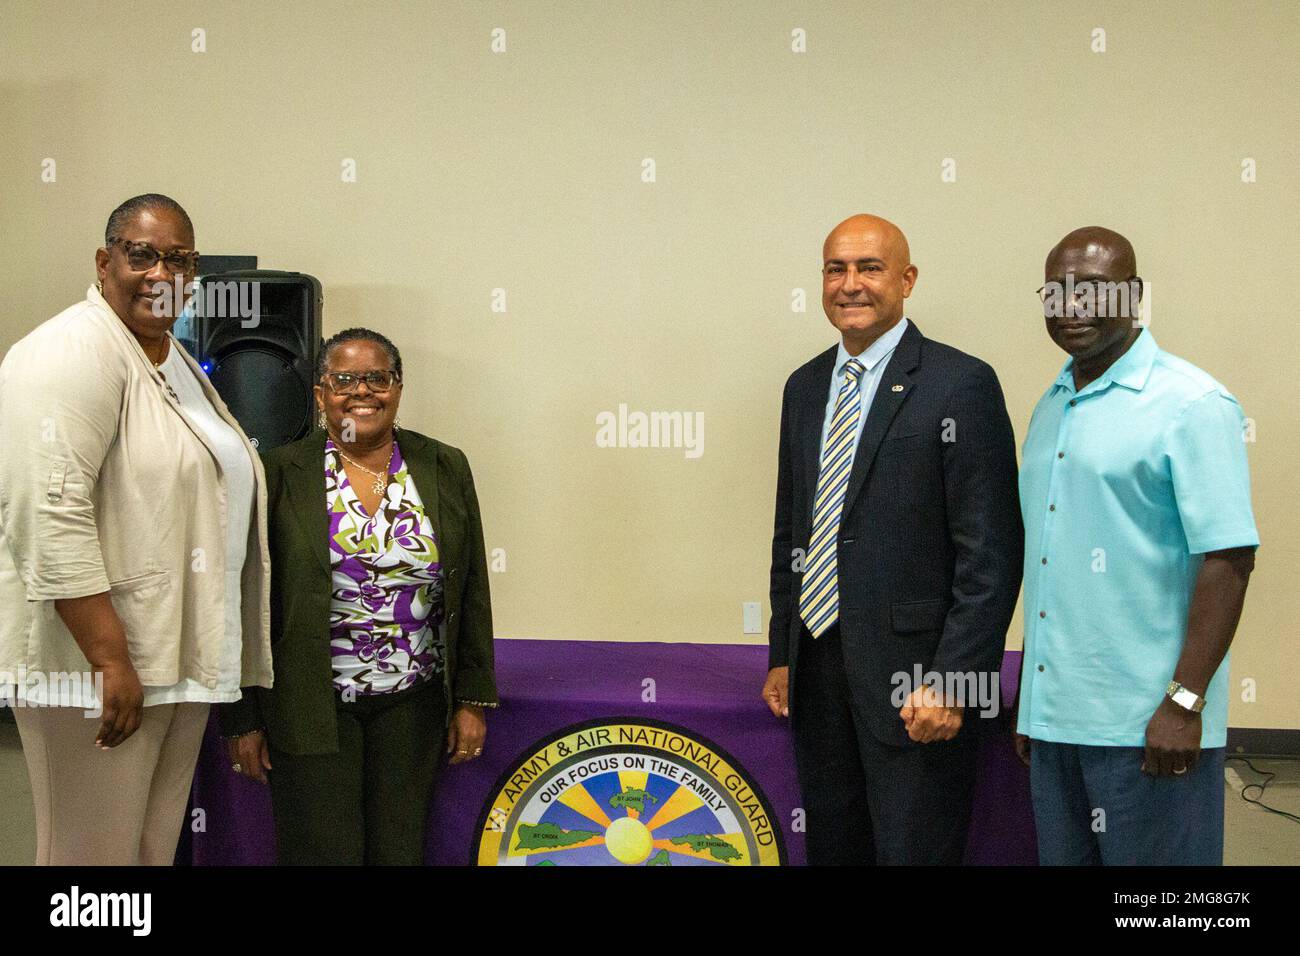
x=1184 y=698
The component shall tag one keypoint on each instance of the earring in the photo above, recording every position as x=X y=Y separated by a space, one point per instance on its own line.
x=99 y=287
x=397 y=423
x=320 y=420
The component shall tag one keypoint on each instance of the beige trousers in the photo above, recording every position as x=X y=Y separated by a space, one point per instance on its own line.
x=118 y=807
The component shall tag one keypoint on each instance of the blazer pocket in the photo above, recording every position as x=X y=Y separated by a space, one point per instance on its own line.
x=915 y=616
x=897 y=451
x=136 y=600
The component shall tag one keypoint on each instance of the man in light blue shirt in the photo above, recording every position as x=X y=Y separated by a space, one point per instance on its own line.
x=1139 y=541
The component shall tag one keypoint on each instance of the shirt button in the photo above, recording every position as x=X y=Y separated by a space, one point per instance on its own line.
x=1060 y=454
x=1072 y=403
x=1042 y=614
x=1044 y=560
x=1051 y=507
x=1040 y=668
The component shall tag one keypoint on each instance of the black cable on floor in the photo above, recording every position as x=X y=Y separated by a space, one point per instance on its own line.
x=1258 y=800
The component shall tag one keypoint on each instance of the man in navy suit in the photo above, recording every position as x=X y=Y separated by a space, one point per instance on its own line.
x=896 y=552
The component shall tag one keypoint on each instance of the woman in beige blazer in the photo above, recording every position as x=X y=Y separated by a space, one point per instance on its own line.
x=135 y=566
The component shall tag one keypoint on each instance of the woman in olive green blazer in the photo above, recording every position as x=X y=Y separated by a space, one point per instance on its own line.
x=351 y=733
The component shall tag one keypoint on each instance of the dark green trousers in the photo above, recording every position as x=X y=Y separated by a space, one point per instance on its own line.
x=368 y=803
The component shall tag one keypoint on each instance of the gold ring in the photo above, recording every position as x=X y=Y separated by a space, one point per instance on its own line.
x=1180 y=772
x=238 y=768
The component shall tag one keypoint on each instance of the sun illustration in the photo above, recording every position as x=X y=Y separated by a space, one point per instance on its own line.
x=629 y=841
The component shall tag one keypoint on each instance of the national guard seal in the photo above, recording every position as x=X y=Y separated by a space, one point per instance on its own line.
x=627 y=791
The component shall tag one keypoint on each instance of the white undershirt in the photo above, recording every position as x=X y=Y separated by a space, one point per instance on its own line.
x=237 y=470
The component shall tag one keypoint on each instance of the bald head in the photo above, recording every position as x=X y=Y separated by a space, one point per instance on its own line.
x=866 y=227
x=867 y=272
x=1098 y=245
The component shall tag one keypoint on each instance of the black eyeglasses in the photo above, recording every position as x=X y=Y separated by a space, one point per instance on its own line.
x=345 y=383
x=141 y=257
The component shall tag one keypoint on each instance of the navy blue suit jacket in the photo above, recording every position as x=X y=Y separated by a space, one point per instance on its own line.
x=931 y=543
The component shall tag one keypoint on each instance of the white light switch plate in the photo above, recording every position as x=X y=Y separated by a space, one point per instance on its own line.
x=752 y=615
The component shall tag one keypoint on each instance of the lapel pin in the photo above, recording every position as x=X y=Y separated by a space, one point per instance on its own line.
x=897 y=388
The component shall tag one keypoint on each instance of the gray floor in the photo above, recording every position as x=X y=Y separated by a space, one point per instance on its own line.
x=1251 y=834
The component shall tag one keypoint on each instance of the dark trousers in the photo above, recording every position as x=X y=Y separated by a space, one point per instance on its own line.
x=866 y=801
x=1095 y=806
x=368 y=803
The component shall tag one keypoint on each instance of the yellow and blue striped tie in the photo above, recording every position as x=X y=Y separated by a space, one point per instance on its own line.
x=819 y=601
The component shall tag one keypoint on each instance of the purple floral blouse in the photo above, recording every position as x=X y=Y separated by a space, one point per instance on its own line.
x=386 y=586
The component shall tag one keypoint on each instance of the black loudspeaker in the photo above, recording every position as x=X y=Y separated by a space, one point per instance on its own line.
x=258 y=335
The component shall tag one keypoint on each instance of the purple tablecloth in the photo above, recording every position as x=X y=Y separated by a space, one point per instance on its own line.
x=708 y=690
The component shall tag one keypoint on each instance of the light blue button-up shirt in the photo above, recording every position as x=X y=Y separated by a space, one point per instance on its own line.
x=1125 y=485
x=874 y=358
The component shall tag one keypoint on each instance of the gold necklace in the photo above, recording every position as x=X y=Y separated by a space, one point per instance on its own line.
x=381 y=481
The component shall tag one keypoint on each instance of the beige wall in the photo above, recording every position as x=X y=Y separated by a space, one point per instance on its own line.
x=521 y=170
